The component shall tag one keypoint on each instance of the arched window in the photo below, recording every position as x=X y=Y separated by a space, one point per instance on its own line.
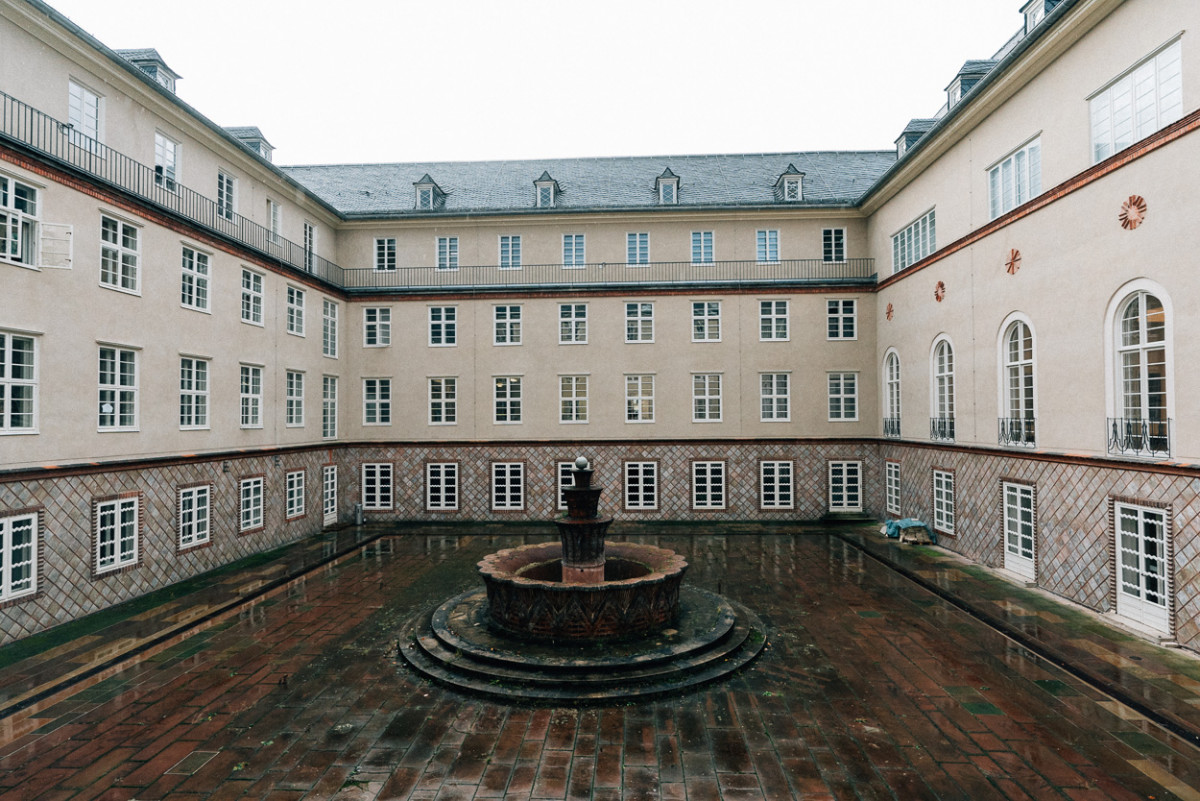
x=941 y=419
x=1143 y=424
x=1017 y=420
x=891 y=395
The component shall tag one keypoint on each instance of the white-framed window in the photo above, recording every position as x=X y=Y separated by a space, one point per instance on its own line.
x=841 y=318
x=166 y=161
x=774 y=397
x=1018 y=411
x=572 y=398
x=1015 y=179
x=639 y=398
x=1144 y=99
x=295 y=311
x=293 y=398
x=775 y=485
x=915 y=242
x=1143 y=379
x=120 y=255
x=329 y=407
x=833 y=245
x=275 y=221
x=766 y=246
x=708 y=485
x=194 y=509
x=572 y=324
x=702 y=247
x=293 y=503
x=637 y=248
x=251 y=395
x=329 y=328
x=545 y=195
x=668 y=192
x=891 y=394
x=329 y=494
x=425 y=198
x=508 y=486
x=706 y=321
x=507 y=320
x=773 y=320
x=193 y=392
x=1144 y=570
x=641 y=485
x=793 y=189
x=250 y=504
x=118 y=396
x=510 y=252
x=226 y=195
x=447 y=252
x=116 y=533
x=193 y=290
x=83 y=115
x=443 y=326
x=385 y=253
x=892 y=487
x=573 y=250
x=377 y=486
x=19 y=222
x=845 y=486
x=377 y=401
x=507 y=398
x=943 y=501
x=252 y=297
x=443 y=401
x=18 y=555
x=565 y=476
x=1020 y=554
x=309 y=243
x=942 y=396
x=18 y=383
x=377 y=326
x=639 y=322
x=706 y=397
x=441 y=486
x=843 y=396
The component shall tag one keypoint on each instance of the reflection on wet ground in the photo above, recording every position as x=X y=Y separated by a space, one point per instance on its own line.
x=871 y=687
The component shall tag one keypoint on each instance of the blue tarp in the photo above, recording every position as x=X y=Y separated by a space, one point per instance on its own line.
x=894 y=527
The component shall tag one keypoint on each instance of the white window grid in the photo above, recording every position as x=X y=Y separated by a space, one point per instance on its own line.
x=193 y=392
x=572 y=324
x=309 y=235
x=329 y=407
x=1143 y=555
x=565 y=479
x=892 y=487
x=293 y=399
x=293 y=506
x=793 y=191
x=507 y=396
x=1018 y=521
x=385 y=253
x=425 y=198
x=706 y=398
x=637 y=248
x=507 y=321
x=573 y=398
x=915 y=242
x=573 y=250
x=845 y=486
x=252 y=297
x=295 y=311
x=166 y=162
x=441 y=486
x=766 y=246
x=447 y=252
x=775 y=485
x=708 y=485
x=943 y=501
x=841 y=319
x=193 y=290
x=508 y=486
x=275 y=220
x=773 y=320
x=639 y=322
x=891 y=386
x=706 y=321
x=1018 y=373
x=194 y=515
x=18 y=383
x=329 y=483
x=443 y=326
x=226 y=196
x=377 y=327
x=18 y=221
x=641 y=485
x=510 y=252
x=443 y=401
x=843 y=396
x=120 y=255
x=545 y=196
x=833 y=245
x=943 y=381
x=1142 y=353
x=329 y=328
x=667 y=193
x=18 y=556
x=1016 y=179
x=116 y=533
x=639 y=398
x=775 y=397
x=702 y=247
x=1141 y=101
x=118 y=394
x=377 y=401
x=377 y=486
x=83 y=114
x=251 y=396
x=250 y=504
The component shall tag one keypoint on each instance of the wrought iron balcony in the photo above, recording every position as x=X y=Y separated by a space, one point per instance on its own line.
x=941 y=429
x=891 y=427
x=1137 y=437
x=1020 y=431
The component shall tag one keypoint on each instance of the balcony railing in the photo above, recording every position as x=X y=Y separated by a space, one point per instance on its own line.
x=941 y=429
x=1020 y=431
x=1136 y=437
x=891 y=427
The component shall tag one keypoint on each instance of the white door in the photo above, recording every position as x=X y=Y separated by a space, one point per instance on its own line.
x=329 y=494
x=1018 y=531
x=845 y=482
x=1143 y=585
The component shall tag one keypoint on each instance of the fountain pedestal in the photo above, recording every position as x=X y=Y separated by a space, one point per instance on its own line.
x=582 y=530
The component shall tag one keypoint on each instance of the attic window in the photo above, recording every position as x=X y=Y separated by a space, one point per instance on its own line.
x=793 y=191
x=429 y=194
x=425 y=198
x=546 y=191
x=545 y=198
x=668 y=188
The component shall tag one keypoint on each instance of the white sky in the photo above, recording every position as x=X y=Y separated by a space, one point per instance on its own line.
x=403 y=80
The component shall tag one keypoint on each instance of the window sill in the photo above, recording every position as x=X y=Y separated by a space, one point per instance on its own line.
x=135 y=292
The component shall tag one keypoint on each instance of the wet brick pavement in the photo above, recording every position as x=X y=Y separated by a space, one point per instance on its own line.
x=871 y=687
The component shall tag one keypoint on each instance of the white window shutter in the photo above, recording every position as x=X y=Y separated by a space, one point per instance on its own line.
x=57 y=245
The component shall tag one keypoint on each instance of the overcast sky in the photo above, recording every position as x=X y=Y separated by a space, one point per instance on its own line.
x=394 y=80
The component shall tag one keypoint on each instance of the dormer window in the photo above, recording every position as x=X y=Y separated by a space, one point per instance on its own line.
x=425 y=198
x=972 y=72
x=668 y=188
x=252 y=137
x=150 y=62
x=430 y=196
x=546 y=190
x=789 y=187
x=1035 y=11
x=792 y=190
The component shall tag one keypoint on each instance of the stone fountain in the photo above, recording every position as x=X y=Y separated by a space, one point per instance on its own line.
x=582 y=619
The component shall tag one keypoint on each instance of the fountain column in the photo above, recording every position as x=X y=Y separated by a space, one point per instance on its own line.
x=582 y=530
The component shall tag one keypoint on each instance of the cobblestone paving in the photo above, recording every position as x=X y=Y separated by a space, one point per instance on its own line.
x=870 y=688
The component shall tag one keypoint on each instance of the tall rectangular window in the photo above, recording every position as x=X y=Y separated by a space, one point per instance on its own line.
x=166 y=161
x=507 y=325
x=441 y=486
x=443 y=326
x=293 y=399
x=329 y=409
x=943 y=502
x=508 y=486
x=572 y=324
x=572 y=398
x=1143 y=556
x=329 y=331
x=193 y=291
x=226 y=196
x=18 y=383
x=510 y=252
x=120 y=253
x=116 y=533
x=18 y=556
x=250 y=504
x=385 y=253
x=118 y=389
x=573 y=255
x=377 y=326
x=766 y=246
x=447 y=252
x=637 y=248
x=443 y=401
x=193 y=392
x=706 y=321
x=915 y=242
x=774 y=398
x=1145 y=99
x=706 y=398
x=639 y=322
x=275 y=221
x=252 y=297
x=83 y=114
x=841 y=318
x=708 y=485
x=507 y=397
x=377 y=401
x=773 y=320
x=702 y=247
x=833 y=245
x=775 y=485
x=295 y=311
x=892 y=488
x=565 y=472
x=18 y=221
x=1016 y=179
x=251 y=396
x=194 y=512
x=639 y=398
x=843 y=396
x=641 y=485
x=309 y=234
x=293 y=498
x=377 y=493
x=1020 y=555
x=845 y=486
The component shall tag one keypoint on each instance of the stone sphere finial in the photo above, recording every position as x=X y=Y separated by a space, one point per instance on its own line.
x=581 y=463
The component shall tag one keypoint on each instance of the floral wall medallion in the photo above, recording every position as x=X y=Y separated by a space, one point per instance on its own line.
x=1014 y=261
x=939 y=291
x=890 y=311
x=1133 y=212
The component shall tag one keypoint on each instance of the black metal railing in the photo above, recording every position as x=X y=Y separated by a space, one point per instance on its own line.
x=1137 y=437
x=1017 y=431
x=59 y=142
x=941 y=429
x=891 y=427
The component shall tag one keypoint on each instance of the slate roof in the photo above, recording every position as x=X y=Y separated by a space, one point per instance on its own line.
x=246 y=132
x=717 y=181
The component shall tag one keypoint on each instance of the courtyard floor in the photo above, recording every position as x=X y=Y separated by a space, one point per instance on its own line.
x=882 y=679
